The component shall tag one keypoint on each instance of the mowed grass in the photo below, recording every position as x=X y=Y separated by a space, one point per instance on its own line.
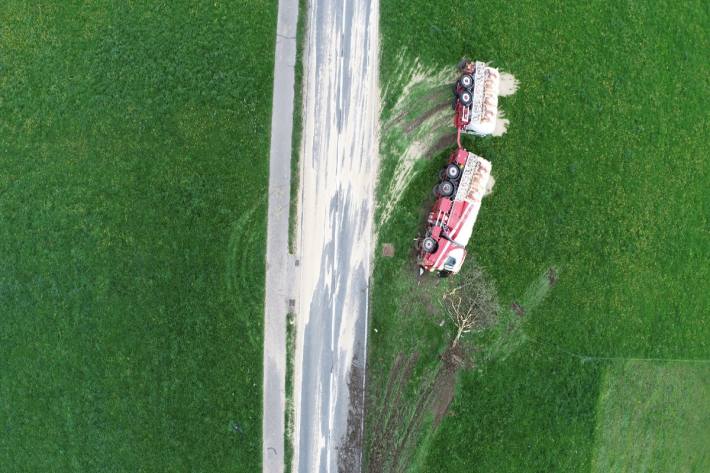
x=653 y=417
x=133 y=176
x=602 y=175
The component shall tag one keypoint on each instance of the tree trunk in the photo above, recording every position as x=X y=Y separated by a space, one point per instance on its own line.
x=458 y=335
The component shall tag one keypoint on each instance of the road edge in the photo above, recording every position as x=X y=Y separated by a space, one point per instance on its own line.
x=277 y=294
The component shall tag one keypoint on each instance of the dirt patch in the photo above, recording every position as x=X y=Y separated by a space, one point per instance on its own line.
x=391 y=414
x=387 y=250
x=501 y=124
x=418 y=120
x=508 y=84
x=453 y=360
x=490 y=185
x=552 y=277
x=399 y=427
x=442 y=143
x=350 y=448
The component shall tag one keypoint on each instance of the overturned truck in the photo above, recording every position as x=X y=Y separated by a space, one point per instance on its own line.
x=464 y=183
x=466 y=179
x=476 y=98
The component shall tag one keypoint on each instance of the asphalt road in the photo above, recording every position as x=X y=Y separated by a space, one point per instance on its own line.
x=338 y=173
x=278 y=264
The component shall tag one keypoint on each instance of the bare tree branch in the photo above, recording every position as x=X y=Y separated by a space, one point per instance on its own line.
x=472 y=305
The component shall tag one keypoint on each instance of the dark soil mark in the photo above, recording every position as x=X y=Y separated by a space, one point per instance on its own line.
x=394 y=438
x=417 y=121
x=552 y=276
x=446 y=141
x=350 y=448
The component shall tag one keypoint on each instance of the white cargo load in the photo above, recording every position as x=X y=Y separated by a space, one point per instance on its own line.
x=472 y=189
x=484 y=109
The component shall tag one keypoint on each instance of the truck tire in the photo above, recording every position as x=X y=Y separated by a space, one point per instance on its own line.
x=453 y=171
x=446 y=188
x=466 y=98
x=429 y=245
x=466 y=81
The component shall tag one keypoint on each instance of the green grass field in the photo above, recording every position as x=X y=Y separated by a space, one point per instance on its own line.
x=653 y=417
x=133 y=174
x=602 y=175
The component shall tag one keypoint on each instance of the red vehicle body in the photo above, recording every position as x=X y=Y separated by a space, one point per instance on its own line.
x=465 y=179
x=450 y=222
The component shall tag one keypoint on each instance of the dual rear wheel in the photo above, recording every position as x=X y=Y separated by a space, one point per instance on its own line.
x=429 y=245
x=445 y=188
x=466 y=81
x=466 y=98
x=453 y=171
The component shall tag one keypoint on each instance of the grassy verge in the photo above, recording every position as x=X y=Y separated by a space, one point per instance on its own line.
x=290 y=353
x=599 y=176
x=297 y=124
x=133 y=147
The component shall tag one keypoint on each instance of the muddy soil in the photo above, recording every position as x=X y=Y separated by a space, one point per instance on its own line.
x=350 y=448
x=399 y=428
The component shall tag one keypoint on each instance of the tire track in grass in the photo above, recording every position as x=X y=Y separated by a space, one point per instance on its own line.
x=509 y=333
x=418 y=121
x=242 y=255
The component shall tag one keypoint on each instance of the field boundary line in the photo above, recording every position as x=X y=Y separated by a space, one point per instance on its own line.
x=586 y=358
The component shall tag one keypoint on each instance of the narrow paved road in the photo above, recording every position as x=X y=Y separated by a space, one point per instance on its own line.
x=338 y=172
x=277 y=260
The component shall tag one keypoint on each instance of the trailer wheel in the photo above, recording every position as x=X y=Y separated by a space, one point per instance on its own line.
x=453 y=171
x=466 y=98
x=446 y=188
x=429 y=245
x=466 y=81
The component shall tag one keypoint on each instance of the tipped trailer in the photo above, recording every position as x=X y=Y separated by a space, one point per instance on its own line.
x=476 y=98
x=450 y=223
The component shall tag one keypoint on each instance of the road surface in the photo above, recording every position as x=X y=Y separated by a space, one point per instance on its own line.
x=278 y=263
x=338 y=172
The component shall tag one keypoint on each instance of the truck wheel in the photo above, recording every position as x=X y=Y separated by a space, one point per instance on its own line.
x=446 y=188
x=429 y=245
x=453 y=171
x=466 y=98
x=466 y=81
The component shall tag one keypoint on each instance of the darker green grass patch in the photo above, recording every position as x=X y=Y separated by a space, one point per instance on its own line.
x=133 y=177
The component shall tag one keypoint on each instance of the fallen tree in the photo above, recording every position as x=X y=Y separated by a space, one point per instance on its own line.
x=472 y=305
